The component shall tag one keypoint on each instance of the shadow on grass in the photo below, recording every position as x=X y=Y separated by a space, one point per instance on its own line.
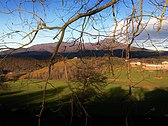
x=9 y=93
x=117 y=105
x=21 y=109
x=112 y=108
x=26 y=100
x=155 y=103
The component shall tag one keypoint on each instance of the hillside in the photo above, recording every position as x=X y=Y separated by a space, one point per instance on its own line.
x=72 y=65
x=57 y=71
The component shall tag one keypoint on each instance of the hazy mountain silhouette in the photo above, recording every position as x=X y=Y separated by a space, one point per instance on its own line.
x=76 y=49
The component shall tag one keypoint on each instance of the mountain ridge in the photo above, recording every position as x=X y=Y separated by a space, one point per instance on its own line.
x=77 y=49
x=105 y=44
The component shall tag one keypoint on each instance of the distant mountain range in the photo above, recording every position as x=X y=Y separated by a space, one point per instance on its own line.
x=76 y=49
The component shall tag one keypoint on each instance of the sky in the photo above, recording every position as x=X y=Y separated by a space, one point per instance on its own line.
x=56 y=13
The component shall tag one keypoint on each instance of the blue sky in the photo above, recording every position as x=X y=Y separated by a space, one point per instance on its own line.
x=55 y=14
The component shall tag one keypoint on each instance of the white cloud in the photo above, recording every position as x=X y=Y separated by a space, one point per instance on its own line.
x=157 y=39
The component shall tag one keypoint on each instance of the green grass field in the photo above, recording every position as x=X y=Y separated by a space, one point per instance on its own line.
x=149 y=98
x=26 y=92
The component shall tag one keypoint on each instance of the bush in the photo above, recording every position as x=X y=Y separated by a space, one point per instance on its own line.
x=88 y=81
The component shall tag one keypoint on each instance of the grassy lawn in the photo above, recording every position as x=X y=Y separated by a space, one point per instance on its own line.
x=143 y=79
x=149 y=97
x=26 y=92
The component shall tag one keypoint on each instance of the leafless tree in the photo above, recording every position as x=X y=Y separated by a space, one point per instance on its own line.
x=80 y=21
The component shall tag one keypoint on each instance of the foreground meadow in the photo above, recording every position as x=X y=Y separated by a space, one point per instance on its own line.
x=147 y=101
